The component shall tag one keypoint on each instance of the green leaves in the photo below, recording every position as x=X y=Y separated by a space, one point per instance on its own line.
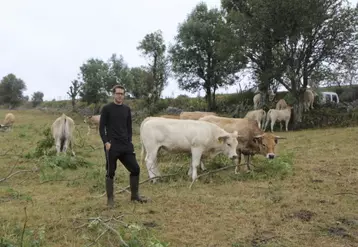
x=11 y=90
x=204 y=55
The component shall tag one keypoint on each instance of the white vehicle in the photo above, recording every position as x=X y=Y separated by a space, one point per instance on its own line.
x=329 y=97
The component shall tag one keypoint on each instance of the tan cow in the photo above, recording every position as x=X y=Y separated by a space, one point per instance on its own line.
x=258 y=115
x=308 y=99
x=93 y=122
x=252 y=139
x=8 y=122
x=195 y=115
x=62 y=131
x=170 y=116
x=281 y=104
x=257 y=98
x=274 y=116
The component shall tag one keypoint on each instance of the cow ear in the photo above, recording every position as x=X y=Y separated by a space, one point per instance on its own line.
x=222 y=139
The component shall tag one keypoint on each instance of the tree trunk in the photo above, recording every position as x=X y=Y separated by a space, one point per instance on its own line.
x=208 y=99
x=297 y=112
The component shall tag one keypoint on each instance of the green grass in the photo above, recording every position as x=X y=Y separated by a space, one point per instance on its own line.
x=306 y=197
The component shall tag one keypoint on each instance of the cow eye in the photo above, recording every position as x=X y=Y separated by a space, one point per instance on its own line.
x=229 y=144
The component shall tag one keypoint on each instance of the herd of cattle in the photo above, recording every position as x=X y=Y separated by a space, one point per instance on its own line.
x=202 y=134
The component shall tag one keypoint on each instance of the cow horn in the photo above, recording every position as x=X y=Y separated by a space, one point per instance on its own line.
x=280 y=137
x=259 y=136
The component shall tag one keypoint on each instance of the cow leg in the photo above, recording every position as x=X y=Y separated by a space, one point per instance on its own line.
x=280 y=125
x=89 y=130
x=195 y=161
x=58 y=145
x=202 y=166
x=272 y=124
x=287 y=124
x=71 y=147
x=267 y=122
x=151 y=163
x=258 y=123
x=247 y=162
x=238 y=161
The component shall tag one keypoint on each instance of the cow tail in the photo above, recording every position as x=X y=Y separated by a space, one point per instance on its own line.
x=63 y=135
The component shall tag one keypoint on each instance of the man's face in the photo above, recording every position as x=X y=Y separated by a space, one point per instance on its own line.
x=119 y=95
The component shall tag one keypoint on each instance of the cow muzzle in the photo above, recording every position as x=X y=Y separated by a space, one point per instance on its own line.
x=270 y=156
x=234 y=157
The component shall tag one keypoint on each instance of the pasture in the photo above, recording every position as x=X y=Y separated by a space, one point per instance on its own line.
x=306 y=197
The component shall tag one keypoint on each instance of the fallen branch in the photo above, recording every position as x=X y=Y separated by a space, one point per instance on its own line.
x=23 y=229
x=213 y=171
x=114 y=231
x=62 y=180
x=20 y=171
x=108 y=228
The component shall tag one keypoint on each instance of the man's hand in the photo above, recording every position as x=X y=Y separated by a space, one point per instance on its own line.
x=108 y=146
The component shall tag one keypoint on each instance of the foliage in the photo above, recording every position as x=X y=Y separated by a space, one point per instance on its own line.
x=11 y=90
x=203 y=55
x=141 y=81
x=153 y=47
x=74 y=91
x=299 y=38
x=37 y=98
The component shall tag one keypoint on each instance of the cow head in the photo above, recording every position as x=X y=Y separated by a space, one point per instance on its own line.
x=4 y=128
x=266 y=144
x=229 y=144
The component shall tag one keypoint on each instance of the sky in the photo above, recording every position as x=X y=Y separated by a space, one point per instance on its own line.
x=45 y=42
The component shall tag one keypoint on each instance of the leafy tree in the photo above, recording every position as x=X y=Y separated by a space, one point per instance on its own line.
x=94 y=75
x=11 y=90
x=152 y=46
x=298 y=38
x=74 y=92
x=119 y=73
x=205 y=55
x=37 y=98
x=140 y=82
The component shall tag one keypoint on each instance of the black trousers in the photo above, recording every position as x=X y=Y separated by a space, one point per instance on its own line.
x=128 y=159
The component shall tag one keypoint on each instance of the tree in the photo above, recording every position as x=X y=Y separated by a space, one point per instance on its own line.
x=74 y=92
x=119 y=73
x=152 y=46
x=11 y=90
x=94 y=74
x=205 y=55
x=141 y=82
x=302 y=38
x=37 y=98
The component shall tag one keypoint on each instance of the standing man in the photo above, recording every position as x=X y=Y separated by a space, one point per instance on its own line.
x=115 y=128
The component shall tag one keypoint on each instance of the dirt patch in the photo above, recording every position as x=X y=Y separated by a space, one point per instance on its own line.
x=304 y=215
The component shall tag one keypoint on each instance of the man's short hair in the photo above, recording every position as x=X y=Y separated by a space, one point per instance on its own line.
x=117 y=86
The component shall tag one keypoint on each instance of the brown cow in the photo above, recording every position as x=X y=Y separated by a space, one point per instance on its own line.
x=252 y=139
x=195 y=115
x=93 y=122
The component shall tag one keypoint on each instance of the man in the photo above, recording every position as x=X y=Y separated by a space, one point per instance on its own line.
x=115 y=128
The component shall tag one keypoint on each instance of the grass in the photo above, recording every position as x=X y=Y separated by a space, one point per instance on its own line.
x=306 y=197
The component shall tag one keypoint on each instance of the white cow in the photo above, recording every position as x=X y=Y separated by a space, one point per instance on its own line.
x=274 y=116
x=258 y=115
x=257 y=98
x=186 y=136
x=62 y=131
x=308 y=99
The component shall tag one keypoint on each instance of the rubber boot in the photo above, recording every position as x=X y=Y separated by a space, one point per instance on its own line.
x=134 y=184
x=109 y=190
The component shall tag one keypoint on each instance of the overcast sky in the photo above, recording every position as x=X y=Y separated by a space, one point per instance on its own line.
x=45 y=42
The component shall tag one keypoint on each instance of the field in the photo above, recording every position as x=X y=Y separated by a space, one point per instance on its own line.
x=308 y=196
